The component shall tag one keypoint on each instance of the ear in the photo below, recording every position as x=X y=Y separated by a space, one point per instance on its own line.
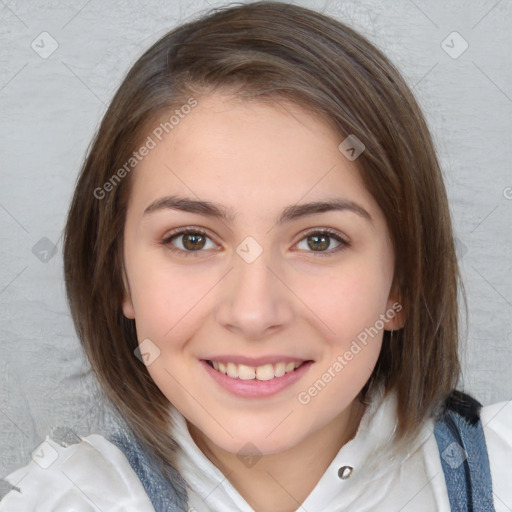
x=128 y=309
x=395 y=310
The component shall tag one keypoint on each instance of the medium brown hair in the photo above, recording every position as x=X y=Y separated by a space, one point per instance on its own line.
x=269 y=51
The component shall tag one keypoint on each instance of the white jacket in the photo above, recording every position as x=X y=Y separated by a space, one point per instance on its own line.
x=94 y=475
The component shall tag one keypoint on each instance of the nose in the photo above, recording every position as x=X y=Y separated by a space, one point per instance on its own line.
x=255 y=299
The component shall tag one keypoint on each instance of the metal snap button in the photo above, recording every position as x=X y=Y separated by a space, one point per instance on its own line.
x=345 y=472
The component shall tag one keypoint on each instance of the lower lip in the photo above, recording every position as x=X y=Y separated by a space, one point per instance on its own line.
x=257 y=388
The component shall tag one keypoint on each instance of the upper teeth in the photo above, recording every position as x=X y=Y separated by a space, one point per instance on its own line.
x=265 y=372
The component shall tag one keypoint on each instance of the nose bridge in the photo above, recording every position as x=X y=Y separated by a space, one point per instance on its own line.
x=255 y=299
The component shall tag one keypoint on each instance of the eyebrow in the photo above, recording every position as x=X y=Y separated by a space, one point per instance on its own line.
x=290 y=213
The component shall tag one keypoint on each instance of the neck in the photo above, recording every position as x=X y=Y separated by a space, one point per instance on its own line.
x=282 y=481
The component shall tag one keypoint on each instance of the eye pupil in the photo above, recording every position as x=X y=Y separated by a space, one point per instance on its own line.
x=197 y=240
x=323 y=244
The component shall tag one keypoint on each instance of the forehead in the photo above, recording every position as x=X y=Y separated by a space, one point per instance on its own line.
x=246 y=154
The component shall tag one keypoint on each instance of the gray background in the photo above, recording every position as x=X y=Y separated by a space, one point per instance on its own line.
x=50 y=108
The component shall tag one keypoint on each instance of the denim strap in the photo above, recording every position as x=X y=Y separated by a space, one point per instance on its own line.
x=461 y=442
x=167 y=493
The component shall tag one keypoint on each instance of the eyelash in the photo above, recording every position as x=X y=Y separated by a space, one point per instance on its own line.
x=198 y=231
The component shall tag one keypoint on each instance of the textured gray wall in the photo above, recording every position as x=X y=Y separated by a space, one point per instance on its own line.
x=51 y=104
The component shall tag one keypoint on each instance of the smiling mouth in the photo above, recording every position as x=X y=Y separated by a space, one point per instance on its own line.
x=263 y=373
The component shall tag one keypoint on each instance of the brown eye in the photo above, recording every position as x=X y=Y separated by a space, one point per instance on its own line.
x=193 y=241
x=319 y=242
x=188 y=242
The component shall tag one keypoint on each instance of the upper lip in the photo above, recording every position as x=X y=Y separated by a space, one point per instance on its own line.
x=256 y=361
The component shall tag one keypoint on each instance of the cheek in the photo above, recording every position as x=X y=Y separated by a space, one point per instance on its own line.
x=167 y=299
x=349 y=307
x=347 y=300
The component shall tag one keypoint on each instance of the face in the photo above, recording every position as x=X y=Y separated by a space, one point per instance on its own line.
x=251 y=284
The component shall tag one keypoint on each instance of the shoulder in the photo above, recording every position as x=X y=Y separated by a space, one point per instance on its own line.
x=91 y=474
x=497 y=419
x=497 y=425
